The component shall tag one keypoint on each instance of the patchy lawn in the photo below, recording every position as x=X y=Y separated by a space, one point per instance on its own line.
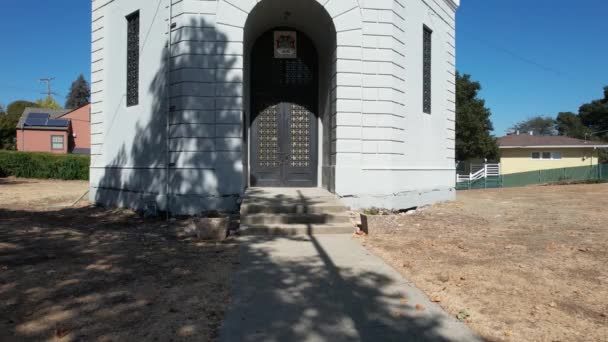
x=527 y=264
x=86 y=273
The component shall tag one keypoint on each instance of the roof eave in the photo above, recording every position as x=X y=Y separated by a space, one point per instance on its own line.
x=454 y=4
x=41 y=128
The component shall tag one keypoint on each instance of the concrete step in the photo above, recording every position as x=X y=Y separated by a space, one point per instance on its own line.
x=293 y=211
x=297 y=229
x=256 y=219
x=333 y=207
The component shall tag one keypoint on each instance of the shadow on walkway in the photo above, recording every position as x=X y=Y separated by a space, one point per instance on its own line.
x=328 y=288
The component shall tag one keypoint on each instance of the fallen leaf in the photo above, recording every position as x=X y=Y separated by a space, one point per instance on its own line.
x=435 y=299
x=61 y=332
x=420 y=307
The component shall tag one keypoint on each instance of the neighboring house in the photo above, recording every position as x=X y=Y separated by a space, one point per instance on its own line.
x=523 y=153
x=356 y=97
x=54 y=131
x=80 y=120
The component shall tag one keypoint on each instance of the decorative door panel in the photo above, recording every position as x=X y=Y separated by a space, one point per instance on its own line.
x=300 y=136
x=268 y=139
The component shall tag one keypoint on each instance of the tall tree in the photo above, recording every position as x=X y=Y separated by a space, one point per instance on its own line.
x=80 y=93
x=8 y=123
x=570 y=125
x=473 y=125
x=539 y=125
x=8 y=128
x=594 y=115
x=48 y=102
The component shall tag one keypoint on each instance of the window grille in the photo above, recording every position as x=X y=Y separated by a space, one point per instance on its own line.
x=427 y=71
x=57 y=142
x=133 y=59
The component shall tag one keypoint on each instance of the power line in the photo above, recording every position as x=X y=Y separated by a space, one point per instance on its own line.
x=524 y=59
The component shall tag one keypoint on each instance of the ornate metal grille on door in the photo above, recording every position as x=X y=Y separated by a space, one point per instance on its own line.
x=300 y=136
x=268 y=140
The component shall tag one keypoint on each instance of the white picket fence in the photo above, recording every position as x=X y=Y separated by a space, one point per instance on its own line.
x=479 y=171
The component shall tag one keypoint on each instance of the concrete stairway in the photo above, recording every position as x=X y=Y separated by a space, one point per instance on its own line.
x=293 y=211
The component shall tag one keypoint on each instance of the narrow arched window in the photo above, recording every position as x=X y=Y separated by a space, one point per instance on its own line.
x=427 y=69
x=133 y=59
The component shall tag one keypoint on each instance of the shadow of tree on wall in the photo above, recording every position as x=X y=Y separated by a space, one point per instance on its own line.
x=206 y=136
x=92 y=273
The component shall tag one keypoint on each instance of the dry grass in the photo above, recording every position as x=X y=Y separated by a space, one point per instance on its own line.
x=529 y=264
x=85 y=273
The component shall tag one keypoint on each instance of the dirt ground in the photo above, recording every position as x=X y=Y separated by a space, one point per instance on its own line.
x=85 y=273
x=526 y=264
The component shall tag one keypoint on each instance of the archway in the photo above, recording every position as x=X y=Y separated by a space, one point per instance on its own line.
x=284 y=110
x=315 y=63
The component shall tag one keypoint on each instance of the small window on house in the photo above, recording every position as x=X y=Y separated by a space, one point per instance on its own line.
x=535 y=155
x=57 y=142
x=546 y=155
x=426 y=69
x=133 y=59
x=556 y=155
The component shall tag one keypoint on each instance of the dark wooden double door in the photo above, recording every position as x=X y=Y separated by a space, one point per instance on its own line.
x=284 y=98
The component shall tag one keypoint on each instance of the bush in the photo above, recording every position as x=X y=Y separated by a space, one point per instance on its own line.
x=44 y=165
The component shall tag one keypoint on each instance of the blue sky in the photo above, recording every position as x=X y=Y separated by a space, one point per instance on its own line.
x=41 y=38
x=532 y=57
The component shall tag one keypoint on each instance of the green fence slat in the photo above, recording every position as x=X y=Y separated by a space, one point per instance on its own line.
x=574 y=174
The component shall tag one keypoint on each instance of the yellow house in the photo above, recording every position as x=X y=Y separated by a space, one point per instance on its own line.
x=523 y=153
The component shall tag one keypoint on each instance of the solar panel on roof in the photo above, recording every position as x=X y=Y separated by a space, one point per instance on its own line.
x=58 y=123
x=35 y=122
x=38 y=115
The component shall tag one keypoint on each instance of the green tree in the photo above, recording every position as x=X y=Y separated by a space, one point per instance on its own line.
x=539 y=125
x=17 y=107
x=570 y=125
x=473 y=125
x=80 y=93
x=594 y=115
x=8 y=123
x=8 y=131
x=48 y=103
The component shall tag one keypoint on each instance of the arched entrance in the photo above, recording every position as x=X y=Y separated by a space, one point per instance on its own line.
x=284 y=98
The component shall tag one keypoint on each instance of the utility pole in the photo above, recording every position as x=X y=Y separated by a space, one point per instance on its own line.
x=48 y=81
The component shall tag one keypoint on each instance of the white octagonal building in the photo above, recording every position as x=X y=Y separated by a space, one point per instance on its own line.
x=195 y=101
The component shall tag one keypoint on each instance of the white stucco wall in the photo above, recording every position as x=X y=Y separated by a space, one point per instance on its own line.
x=385 y=151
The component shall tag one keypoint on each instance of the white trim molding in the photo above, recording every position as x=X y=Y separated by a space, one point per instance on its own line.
x=553 y=146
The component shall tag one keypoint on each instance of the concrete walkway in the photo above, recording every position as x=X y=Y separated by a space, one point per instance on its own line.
x=328 y=288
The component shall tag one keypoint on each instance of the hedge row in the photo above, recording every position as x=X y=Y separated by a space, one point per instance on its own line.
x=44 y=165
